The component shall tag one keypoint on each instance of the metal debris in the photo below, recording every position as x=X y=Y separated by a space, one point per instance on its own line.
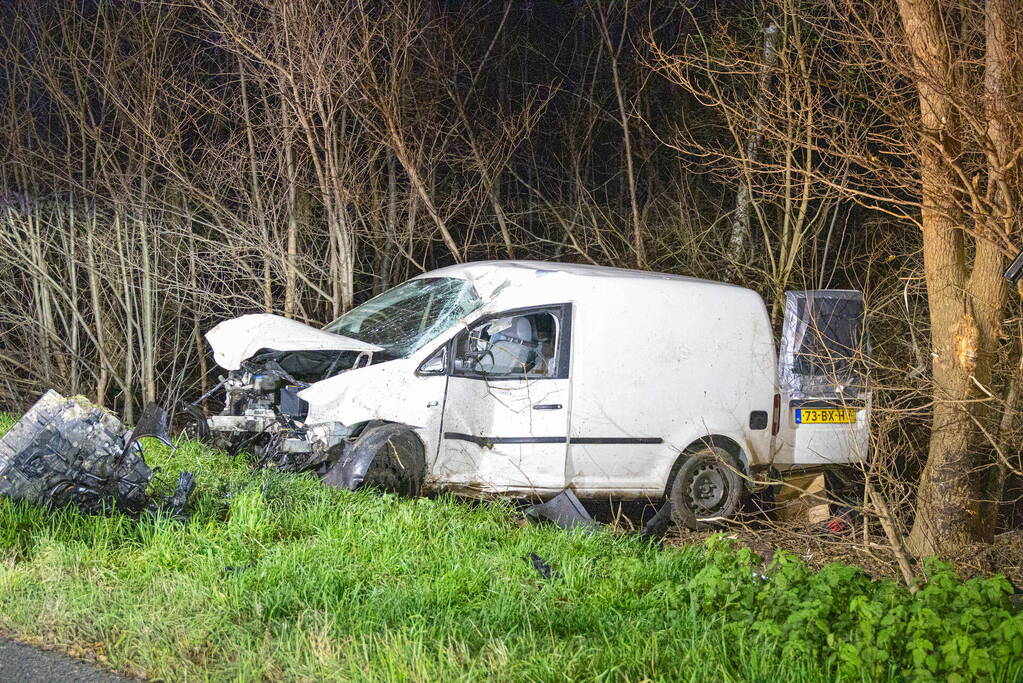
x=71 y=452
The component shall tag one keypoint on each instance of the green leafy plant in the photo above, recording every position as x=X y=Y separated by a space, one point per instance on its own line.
x=949 y=630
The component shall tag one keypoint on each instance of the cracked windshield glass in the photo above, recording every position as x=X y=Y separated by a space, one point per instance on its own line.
x=403 y=319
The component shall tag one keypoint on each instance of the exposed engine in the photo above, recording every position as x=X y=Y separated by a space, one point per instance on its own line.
x=264 y=415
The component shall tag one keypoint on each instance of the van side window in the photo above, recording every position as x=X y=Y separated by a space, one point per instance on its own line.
x=519 y=344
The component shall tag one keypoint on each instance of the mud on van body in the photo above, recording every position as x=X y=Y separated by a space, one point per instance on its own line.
x=525 y=379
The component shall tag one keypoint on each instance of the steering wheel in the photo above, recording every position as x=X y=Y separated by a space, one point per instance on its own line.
x=473 y=359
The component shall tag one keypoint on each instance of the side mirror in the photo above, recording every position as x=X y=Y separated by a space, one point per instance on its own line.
x=435 y=364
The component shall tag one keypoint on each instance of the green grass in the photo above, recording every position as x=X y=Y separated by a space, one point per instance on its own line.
x=278 y=577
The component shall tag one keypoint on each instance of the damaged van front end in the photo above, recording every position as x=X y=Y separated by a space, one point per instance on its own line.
x=299 y=398
x=270 y=360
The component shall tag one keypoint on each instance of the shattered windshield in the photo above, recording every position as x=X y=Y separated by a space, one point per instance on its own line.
x=405 y=318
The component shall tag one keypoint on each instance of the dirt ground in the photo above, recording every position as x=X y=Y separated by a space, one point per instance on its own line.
x=821 y=543
x=817 y=546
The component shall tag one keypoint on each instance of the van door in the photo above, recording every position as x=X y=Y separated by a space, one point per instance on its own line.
x=825 y=399
x=506 y=409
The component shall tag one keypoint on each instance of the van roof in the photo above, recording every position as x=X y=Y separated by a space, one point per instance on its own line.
x=477 y=269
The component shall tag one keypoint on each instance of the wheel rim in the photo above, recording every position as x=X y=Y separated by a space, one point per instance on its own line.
x=707 y=487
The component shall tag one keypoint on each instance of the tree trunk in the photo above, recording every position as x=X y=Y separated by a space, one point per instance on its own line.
x=739 y=231
x=961 y=309
x=386 y=255
x=986 y=285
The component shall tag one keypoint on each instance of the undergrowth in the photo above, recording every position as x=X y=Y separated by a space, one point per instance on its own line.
x=279 y=577
x=949 y=630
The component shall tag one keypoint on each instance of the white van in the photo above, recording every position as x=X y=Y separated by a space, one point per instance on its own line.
x=526 y=379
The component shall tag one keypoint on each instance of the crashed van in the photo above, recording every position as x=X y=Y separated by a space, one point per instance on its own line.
x=527 y=379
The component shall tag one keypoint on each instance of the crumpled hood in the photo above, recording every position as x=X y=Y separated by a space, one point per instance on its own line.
x=235 y=340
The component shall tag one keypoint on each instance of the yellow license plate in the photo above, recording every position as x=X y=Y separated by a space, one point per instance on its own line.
x=825 y=416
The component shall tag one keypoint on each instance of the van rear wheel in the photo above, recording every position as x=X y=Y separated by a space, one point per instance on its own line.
x=706 y=490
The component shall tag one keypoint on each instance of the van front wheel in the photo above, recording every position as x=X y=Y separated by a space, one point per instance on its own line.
x=706 y=489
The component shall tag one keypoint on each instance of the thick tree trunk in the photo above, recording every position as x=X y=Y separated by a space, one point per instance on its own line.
x=1001 y=73
x=964 y=311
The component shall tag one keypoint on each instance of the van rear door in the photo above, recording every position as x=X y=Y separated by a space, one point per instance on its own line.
x=825 y=398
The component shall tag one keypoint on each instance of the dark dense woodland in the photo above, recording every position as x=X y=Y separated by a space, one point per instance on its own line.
x=166 y=165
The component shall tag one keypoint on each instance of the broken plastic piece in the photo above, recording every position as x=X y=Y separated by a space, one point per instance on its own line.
x=175 y=504
x=386 y=455
x=542 y=568
x=657 y=526
x=564 y=509
x=153 y=423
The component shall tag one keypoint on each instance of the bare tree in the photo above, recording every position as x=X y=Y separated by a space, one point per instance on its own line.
x=914 y=124
x=965 y=299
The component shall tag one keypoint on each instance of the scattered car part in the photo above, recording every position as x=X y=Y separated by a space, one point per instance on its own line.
x=174 y=505
x=237 y=569
x=542 y=568
x=68 y=451
x=152 y=423
x=706 y=489
x=657 y=526
x=564 y=509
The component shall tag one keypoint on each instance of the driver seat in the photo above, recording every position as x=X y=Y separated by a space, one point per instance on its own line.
x=512 y=350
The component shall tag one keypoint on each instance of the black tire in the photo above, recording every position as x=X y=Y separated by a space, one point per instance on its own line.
x=707 y=489
x=69 y=452
x=394 y=459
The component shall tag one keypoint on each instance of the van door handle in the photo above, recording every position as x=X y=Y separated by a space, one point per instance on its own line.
x=547 y=406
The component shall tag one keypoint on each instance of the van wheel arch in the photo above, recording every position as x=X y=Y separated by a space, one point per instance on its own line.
x=708 y=483
x=381 y=453
x=712 y=440
x=359 y=427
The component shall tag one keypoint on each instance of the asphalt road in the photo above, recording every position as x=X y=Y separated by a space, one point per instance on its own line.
x=27 y=664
